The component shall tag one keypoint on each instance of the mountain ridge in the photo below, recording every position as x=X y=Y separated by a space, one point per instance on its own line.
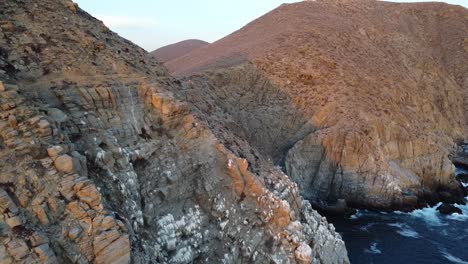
x=178 y=49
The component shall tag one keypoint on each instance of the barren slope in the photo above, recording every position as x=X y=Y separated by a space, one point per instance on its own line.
x=373 y=96
x=177 y=50
x=100 y=163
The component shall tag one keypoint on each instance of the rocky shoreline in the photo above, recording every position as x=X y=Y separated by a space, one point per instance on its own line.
x=448 y=198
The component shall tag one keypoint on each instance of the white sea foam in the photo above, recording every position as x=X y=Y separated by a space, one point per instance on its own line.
x=430 y=215
x=358 y=214
x=452 y=258
x=373 y=249
x=405 y=230
x=366 y=227
x=460 y=217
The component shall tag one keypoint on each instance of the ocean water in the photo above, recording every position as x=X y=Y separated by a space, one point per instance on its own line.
x=421 y=236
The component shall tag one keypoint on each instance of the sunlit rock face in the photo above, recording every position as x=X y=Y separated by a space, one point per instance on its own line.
x=102 y=160
x=356 y=100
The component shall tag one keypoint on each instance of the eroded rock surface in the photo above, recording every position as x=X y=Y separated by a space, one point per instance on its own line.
x=100 y=162
x=364 y=100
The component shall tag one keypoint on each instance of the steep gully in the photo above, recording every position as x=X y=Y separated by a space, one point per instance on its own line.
x=101 y=163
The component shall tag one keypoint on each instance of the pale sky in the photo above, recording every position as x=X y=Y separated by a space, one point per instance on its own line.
x=155 y=23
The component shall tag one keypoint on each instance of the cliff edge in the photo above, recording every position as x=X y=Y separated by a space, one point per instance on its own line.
x=101 y=163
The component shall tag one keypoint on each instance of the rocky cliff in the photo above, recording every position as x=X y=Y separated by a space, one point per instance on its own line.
x=102 y=160
x=356 y=100
x=176 y=50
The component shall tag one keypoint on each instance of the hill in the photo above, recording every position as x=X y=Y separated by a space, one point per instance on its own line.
x=176 y=50
x=357 y=100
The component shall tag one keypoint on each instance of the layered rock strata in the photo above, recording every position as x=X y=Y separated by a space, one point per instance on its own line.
x=102 y=163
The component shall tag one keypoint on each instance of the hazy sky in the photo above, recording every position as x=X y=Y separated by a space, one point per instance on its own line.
x=156 y=23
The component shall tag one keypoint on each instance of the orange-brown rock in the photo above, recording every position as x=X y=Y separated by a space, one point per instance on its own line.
x=139 y=175
x=71 y=5
x=64 y=163
x=89 y=195
x=55 y=151
x=41 y=213
x=361 y=100
x=14 y=221
x=105 y=239
x=117 y=252
x=76 y=209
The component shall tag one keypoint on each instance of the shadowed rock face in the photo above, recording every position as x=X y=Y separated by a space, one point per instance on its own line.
x=102 y=159
x=363 y=100
x=176 y=50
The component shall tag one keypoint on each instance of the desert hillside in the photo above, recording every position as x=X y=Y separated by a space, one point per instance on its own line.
x=356 y=100
x=101 y=163
x=176 y=50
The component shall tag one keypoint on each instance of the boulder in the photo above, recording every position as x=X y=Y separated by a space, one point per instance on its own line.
x=55 y=151
x=303 y=254
x=64 y=163
x=447 y=209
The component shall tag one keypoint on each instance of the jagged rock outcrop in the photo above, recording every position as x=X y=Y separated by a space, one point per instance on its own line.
x=364 y=101
x=176 y=50
x=102 y=161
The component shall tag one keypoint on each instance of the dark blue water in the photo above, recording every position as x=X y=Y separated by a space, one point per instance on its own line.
x=422 y=236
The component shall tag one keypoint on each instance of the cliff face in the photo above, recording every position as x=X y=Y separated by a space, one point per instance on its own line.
x=176 y=50
x=102 y=161
x=357 y=100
